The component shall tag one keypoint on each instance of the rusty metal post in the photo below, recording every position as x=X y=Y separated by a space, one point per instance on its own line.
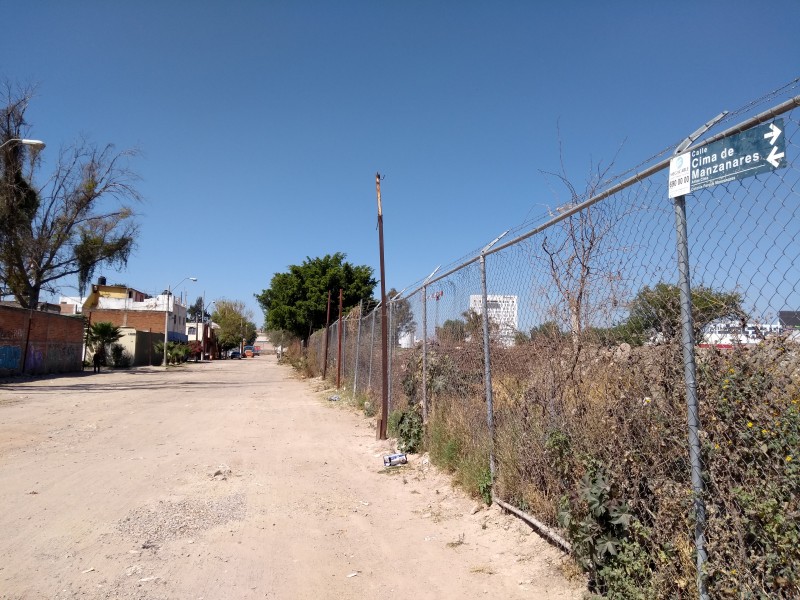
x=344 y=346
x=382 y=422
x=327 y=336
x=358 y=347
x=339 y=336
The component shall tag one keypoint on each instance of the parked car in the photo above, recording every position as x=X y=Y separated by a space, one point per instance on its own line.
x=235 y=354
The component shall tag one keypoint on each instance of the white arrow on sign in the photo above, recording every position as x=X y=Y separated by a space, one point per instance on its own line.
x=773 y=133
x=775 y=157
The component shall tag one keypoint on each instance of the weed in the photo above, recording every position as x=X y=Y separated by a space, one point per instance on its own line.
x=486 y=570
x=485 y=487
x=457 y=543
x=406 y=425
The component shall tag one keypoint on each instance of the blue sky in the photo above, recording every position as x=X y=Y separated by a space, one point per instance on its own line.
x=261 y=125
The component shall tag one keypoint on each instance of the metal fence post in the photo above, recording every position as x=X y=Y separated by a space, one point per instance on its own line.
x=392 y=343
x=371 y=350
x=424 y=354
x=358 y=348
x=690 y=372
x=339 y=338
x=327 y=339
x=690 y=369
x=425 y=403
x=346 y=322
x=487 y=364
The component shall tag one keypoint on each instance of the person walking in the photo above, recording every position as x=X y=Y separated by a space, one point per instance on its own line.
x=97 y=360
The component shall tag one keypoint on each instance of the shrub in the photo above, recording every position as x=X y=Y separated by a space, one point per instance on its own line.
x=120 y=358
x=751 y=420
x=443 y=444
x=410 y=430
x=602 y=531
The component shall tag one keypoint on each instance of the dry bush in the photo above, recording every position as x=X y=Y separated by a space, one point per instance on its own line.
x=601 y=450
x=606 y=428
x=750 y=442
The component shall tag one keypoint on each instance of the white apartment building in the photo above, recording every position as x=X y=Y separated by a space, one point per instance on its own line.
x=502 y=311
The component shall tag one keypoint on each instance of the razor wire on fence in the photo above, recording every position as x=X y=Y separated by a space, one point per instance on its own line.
x=555 y=372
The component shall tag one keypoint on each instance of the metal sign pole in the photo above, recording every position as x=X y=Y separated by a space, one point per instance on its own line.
x=693 y=411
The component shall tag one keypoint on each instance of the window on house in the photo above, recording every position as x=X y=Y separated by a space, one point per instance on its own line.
x=192 y=330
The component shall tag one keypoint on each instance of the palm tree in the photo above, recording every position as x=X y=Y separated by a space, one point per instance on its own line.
x=176 y=352
x=101 y=335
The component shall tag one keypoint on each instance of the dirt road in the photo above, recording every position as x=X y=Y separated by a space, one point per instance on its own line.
x=232 y=479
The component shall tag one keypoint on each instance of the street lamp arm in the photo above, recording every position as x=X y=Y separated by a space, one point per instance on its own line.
x=166 y=316
x=35 y=144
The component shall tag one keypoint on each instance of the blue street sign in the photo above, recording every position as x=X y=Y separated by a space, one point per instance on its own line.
x=757 y=150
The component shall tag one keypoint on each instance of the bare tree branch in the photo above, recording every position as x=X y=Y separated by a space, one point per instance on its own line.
x=77 y=220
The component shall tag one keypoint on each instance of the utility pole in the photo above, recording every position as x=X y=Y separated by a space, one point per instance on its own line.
x=382 y=422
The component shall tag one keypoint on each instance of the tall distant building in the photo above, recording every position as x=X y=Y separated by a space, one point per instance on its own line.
x=502 y=311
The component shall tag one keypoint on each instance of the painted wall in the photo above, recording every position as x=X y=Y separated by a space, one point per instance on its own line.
x=39 y=343
x=139 y=344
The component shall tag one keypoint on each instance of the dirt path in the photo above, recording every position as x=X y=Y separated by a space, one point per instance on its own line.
x=233 y=480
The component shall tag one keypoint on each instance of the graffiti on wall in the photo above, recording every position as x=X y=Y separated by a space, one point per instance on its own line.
x=63 y=357
x=35 y=359
x=11 y=334
x=39 y=354
x=10 y=357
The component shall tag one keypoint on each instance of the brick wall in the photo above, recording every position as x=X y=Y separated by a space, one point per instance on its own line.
x=39 y=342
x=140 y=320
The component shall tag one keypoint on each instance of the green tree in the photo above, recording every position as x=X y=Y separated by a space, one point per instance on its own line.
x=195 y=349
x=101 y=335
x=452 y=331
x=658 y=309
x=176 y=351
x=196 y=311
x=71 y=225
x=235 y=322
x=473 y=325
x=549 y=330
x=296 y=301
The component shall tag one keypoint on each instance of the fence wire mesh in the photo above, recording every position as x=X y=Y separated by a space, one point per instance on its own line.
x=586 y=422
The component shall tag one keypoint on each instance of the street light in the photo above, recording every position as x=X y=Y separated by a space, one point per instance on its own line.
x=166 y=317
x=34 y=144
x=206 y=325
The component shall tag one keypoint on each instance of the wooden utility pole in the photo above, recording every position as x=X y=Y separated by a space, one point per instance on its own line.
x=327 y=336
x=382 y=422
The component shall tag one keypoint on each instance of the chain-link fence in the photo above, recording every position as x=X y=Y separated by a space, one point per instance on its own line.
x=626 y=375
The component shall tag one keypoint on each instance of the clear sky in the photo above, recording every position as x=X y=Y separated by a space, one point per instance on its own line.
x=261 y=124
